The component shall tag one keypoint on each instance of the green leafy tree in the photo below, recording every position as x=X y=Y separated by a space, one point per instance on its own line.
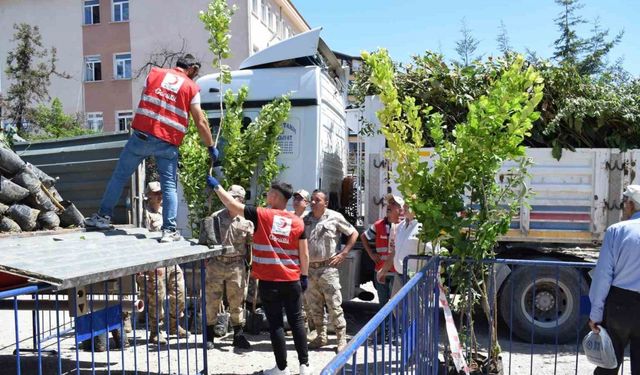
x=29 y=69
x=217 y=21
x=55 y=123
x=249 y=150
x=458 y=200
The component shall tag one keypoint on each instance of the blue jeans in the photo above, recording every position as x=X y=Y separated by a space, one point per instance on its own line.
x=134 y=152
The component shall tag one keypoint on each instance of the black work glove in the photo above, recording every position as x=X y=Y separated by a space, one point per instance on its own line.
x=304 y=282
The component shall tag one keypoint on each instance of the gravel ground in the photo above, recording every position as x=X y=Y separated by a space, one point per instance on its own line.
x=518 y=357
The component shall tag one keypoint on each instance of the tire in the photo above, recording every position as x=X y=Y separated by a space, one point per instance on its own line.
x=557 y=307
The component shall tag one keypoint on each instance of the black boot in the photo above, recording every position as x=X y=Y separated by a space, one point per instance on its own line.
x=239 y=341
x=121 y=341
x=210 y=334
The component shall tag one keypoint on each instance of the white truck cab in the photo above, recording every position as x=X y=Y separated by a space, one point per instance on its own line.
x=314 y=139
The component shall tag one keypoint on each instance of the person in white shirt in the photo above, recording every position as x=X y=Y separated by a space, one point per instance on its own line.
x=406 y=243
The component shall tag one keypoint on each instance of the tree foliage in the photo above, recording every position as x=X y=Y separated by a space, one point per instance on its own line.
x=467 y=46
x=455 y=195
x=579 y=108
x=55 y=123
x=250 y=153
x=29 y=68
x=217 y=21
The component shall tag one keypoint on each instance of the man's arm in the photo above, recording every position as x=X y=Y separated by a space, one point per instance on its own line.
x=303 y=254
x=202 y=124
x=341 y=256
x=388 y=263
x=235 y=208
x=365 y=243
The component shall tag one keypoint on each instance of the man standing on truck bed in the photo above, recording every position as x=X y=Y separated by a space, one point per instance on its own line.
x=281 y=264
x=159 y=126
x=615 y=290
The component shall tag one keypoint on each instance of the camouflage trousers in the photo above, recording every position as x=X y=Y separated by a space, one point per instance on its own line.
x=169 y=279
x=232 y=277
x=324 y=289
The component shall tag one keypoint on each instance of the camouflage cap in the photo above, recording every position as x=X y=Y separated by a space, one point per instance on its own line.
x=237 y=191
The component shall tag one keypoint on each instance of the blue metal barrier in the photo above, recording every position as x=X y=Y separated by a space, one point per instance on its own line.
x=541 y=305
x=406 y=344
x=67 y=340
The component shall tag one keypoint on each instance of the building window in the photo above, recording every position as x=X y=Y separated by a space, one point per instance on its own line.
x=91 y=12
x=120 y=10
x=255 y=6
x=92 y=69
x=271 y=20
x=289 y=32
x=124 y=119
x=95 y=121
x=122 y=65
x=265 y=12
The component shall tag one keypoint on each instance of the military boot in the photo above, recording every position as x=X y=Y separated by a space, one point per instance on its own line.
x=210 y=335
x=321 y=339
x=176 y=330
x=341 y=336
x=157 y=337
x=239 y=341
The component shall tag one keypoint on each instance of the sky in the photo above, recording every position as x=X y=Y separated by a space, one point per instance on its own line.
x=409 y=27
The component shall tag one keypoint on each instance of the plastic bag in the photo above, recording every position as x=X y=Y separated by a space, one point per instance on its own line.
x=599 y=349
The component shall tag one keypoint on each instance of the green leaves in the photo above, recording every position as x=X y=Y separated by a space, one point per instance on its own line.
x=55 y=123
x=458 y=200
x=217 y=21
x=252 y=151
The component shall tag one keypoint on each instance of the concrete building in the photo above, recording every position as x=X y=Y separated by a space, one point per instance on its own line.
x=106 y=45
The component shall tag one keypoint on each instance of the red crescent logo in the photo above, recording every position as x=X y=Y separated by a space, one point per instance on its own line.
x=175 y=80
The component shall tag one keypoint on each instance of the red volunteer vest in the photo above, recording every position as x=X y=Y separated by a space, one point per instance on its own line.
x=382 y=243
x=163 y=110
x=275 y=246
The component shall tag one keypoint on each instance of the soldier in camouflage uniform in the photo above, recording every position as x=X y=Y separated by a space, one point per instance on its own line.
x=229 y=270
x=323 y=227
x=170 y=278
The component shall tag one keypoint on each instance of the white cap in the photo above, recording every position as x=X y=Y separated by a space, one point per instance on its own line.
x=633 y=192
x=303 y=193
x=152 y=187
x=396 y=198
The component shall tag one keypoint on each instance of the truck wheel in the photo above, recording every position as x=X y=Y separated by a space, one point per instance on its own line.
x=532 y=300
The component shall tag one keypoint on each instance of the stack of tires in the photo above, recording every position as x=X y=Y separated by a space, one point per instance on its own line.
x=28 y=198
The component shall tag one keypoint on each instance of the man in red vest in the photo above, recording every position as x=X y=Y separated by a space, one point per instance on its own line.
x=159 y=126
x=381 y=232
x=281 y=264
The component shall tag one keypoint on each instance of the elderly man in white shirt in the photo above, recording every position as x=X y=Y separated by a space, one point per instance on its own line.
x=406 y=243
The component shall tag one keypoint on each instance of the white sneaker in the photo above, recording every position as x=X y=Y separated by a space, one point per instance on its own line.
x=170 y=236
x=98 y=221
x=276 y=371
x=305 y=370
